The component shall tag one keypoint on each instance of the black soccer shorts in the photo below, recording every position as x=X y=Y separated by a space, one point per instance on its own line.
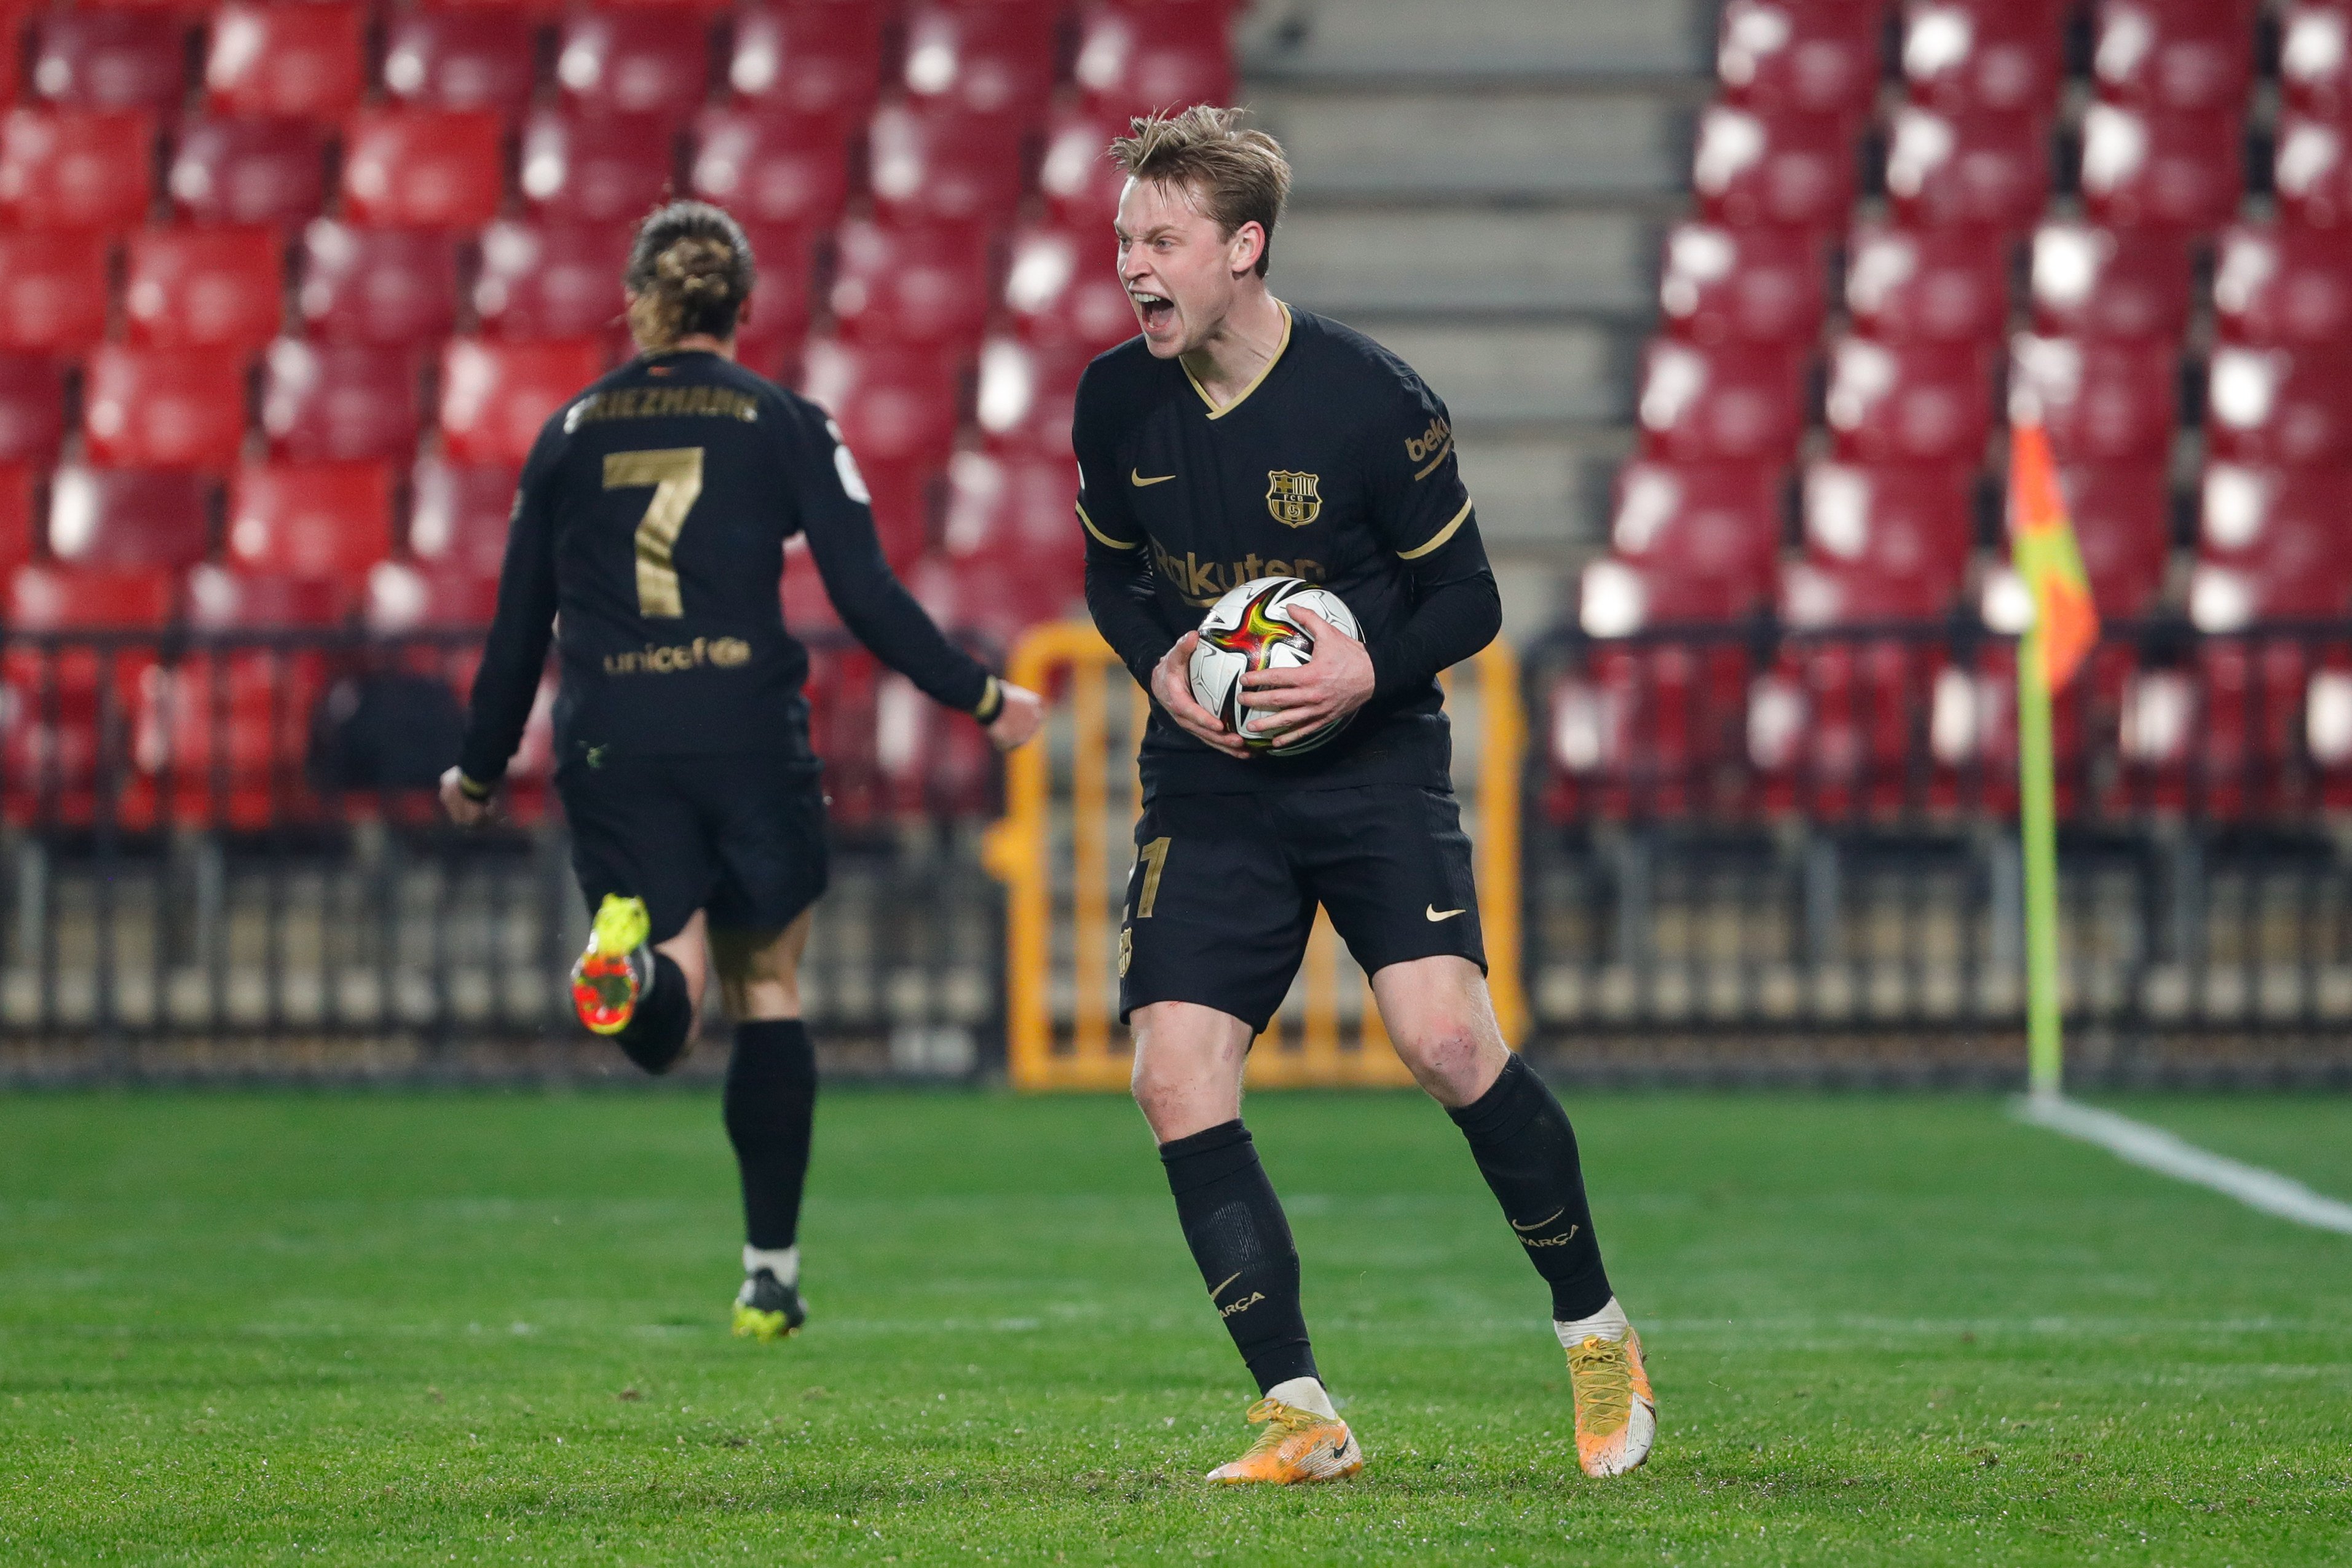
x=1224 y=892
x=741 y=836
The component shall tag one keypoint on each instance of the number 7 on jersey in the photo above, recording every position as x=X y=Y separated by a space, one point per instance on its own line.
x=676 y=475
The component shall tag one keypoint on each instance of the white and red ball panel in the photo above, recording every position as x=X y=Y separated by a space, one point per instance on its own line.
x=1251 y=628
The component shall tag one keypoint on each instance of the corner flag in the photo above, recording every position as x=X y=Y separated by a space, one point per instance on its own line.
x=2042 y=549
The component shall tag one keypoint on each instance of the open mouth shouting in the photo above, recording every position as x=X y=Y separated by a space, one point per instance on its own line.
x=1156 y=311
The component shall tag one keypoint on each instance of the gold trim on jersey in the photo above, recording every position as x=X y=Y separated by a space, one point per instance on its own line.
x=1115 y=544
x=1442 y=534
x=1242 y=396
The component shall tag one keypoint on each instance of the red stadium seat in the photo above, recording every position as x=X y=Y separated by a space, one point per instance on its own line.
x=936 y=163
x=2315 y=58
x=1702 y=538
x=1026 y=396
x=128 y=518
x=340 y=402
x=395 y=287
x=910 y=283
x=163 y=408
x=2285 y=406
x=2271 y=545
x=769 y=167
x=1800 y=56
x=771 y=332
x=1063 y=287
x=249 y=171
x=1080 y=182
x=2090 y=282
x=595 y=168
x=303 y=62
x=495 y=396
x=43 y=597
x=1949 y=285
x=996 y=61
x=2311 y=172
x=16 y=516
x=896 y=409
x=458 y=521
x=66 y=709
x=1791 y=171
x=810 y=57
x=2281 y=284
x=2102 y=401
x=2164 y=169
x=543 y=280
x=107 y=60
x=2186 y=55
x=310 y=520
x=1759 y=286
x=1976 y=169
x=52 y=292
x=1909 y=402
x=637 y=62
x=1728 y=403
x=1015 y=512
x=2122 y=513
x=1836 y=726
x=1135 y=57
x=411 y=596
x=1880 y=544
x=32 y=409
x=203 y=288
x=460 y=60
x=75 y=169
x=413 y=168
x=1984 y=55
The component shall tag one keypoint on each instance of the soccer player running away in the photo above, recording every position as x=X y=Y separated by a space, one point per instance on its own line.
x=1238 y=438
x=652 y=514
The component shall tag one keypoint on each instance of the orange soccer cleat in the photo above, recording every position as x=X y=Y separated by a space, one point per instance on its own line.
x=1298 y=1446
x=618 y=966
x=1616 y=1413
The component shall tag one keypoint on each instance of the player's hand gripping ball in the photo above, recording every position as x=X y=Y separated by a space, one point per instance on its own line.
x=1251 y=628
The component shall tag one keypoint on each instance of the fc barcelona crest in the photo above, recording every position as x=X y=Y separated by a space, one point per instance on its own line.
x=1291 y=497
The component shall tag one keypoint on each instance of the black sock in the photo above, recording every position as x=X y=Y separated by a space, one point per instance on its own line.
x=1235 y=1226
x=769 y=1105
x=1527 y=1152
x=657 y=1036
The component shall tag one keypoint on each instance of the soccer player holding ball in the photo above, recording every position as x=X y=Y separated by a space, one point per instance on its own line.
x=1239 y=440
x=651 y=515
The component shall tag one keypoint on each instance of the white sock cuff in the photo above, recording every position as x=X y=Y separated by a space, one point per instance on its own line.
x=784 y=1262
x=1609 y=1322
x=1305 y=1394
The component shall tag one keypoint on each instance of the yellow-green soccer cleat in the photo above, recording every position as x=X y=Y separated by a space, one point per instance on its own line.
x=1616 y=1413
x=617 y=968
x=766 y=1309
x=1298 y=1446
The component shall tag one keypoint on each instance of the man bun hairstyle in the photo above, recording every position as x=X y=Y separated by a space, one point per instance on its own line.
x=1237 y=176
x=689 y=270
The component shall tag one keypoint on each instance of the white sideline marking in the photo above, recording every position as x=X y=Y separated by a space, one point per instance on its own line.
x=2160 y=1151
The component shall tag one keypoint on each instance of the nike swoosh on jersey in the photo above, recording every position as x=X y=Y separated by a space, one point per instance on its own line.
x=1135 y=475
x=1436 y=913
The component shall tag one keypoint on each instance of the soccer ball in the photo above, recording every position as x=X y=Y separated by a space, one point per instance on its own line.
x=1251 y=628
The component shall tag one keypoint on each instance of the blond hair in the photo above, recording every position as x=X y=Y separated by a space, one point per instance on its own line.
x=689 y=272
x=1237 y=176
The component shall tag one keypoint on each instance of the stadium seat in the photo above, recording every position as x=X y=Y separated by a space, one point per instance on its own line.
x=1999 y=56
x=1133 y=59
x=1882 y=543
x=484 y=60
x=808 y=614
x=110 y=61
x=120 y=520
x=16 y=514
x=32 y=408
x=1717 y=285
x=2090 y=282
x=595 y=167
x=1799 y=56
x=458 y=519
x=414 y=596
x=75 y=169
x=542 y=280
x=1839 y=729
x=1908 y=403
x=416 y=168
x=495 y=396
x=1975 y=168
x=910 y=282
x=1080 y=182
x=1063 y=287
x=994 y=62
x=896 y=407
x=2284 y=285
x=395 y=287
x=340 y=402
x=249 y=171
x=1026 y=396
x=2315 y=58
x=1791 y=171
x=49 y=598
x=2122 y=513
x=1730 y=403
x=2189 y=57
x=2166 y=169
x=936 y=163
x=310 y=519
x=52 y=292
x=1012 y=515
x=769 y=335
x=2102 y=401
x=301 y=62
x=163 y=408
x=2269 y=546
x=810 y=57
x=203 y=288
x=1947 y=286
x=634 y=62
x=2289 y=407
x=2311 y=173
x=1700 y=540
x=769 y=167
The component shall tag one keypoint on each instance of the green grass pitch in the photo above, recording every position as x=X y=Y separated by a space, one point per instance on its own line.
x=264 y=1328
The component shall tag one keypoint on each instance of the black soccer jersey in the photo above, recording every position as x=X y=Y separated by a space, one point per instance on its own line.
x=653 y=514
x=1335 y=465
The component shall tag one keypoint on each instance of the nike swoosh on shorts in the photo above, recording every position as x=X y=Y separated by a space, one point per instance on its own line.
x=1436 y=913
